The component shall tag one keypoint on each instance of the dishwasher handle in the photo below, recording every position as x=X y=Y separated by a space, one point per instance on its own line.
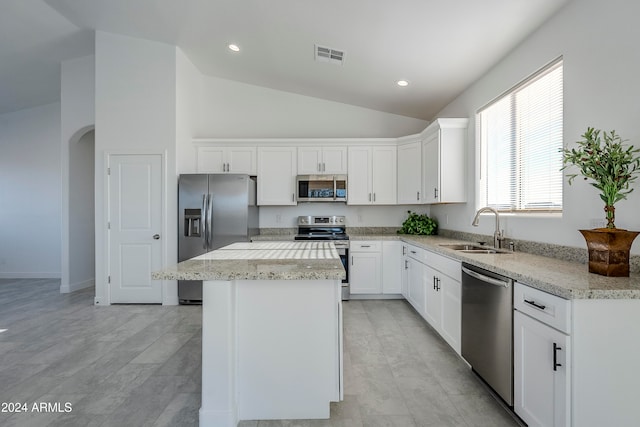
x=487 y=279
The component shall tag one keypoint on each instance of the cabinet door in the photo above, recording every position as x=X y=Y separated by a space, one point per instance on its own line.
x=384 y=178
x=241 y=160
x=334 y=160
x=450 y=327
x=416 y=285
x=409 y=173
x=276 y=175
x=365 y=273
x=541 y=390
x=359 y=181
x=392 y=267
x=309 y=160
x=433 y=298
x=431 y=168
x=405 y=271
x=210 y=160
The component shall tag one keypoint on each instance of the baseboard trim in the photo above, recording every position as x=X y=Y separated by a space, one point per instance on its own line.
x=72 y=287
x=30 y=275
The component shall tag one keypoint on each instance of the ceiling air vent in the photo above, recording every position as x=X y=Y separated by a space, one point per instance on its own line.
x=326 y=54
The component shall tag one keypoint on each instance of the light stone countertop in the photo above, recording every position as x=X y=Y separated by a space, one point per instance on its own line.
x=569 y=280
x=261 y=261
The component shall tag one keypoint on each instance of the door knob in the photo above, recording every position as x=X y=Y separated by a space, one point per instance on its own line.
x=156 y=237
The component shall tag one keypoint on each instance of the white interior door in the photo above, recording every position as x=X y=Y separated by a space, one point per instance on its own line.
x=135 y=224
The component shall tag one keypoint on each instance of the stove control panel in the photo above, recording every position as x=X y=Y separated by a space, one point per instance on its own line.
x=322 y=220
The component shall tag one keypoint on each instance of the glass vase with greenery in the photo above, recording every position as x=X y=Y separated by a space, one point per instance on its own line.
x=608 y=163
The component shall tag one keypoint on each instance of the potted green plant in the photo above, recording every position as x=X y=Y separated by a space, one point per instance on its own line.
x=611 y=167
x=418 y=224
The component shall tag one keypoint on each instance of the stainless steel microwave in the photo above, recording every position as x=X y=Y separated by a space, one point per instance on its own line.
x=321 y=188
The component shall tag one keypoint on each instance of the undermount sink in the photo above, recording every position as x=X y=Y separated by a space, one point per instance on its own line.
x=475 y=249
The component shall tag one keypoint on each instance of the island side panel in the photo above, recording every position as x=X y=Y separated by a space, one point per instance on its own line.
x=288 y=348
x=219 y=406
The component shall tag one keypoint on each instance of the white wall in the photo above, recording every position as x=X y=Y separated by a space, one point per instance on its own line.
x=81 y=213
x=601 y=67
x=188 y=109
x=135 y=110
x=77 y=104
x=232 y=109
x=30 y=193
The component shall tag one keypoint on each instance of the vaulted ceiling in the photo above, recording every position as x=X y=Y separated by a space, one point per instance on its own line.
x=439 y=46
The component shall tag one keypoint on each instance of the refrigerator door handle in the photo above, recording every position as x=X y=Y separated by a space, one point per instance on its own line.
x=204 y=221
x=210 y=223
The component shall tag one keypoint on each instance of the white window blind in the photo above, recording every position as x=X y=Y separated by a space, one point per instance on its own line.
x=520 y=145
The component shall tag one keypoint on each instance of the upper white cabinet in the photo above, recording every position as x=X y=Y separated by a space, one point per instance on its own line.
x=227 y=160
x=277 y=175
x=410 y=173
x=443 y=161
x=319 y=160
x=372 y=175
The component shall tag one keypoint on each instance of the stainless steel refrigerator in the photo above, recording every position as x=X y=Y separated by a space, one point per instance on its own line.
x=214 y=210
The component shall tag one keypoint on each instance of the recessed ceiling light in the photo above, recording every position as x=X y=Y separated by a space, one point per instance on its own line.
x=402 y=83
x=234 y=47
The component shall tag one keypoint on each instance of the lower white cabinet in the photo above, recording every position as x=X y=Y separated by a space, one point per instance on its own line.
x=392 y=267
x=365 y=271
x=541 y=363
x=416 y=284
x=376 y=267
x=433 y=288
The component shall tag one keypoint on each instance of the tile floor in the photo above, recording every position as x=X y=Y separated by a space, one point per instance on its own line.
x=139 y=365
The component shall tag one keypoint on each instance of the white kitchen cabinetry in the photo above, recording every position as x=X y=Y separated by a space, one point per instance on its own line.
x=443 y=298
x=410 y=173
x=444 y=161
x=365 y=272
x=542 y=357
x=321 y=160
x=372 y=175
x=227 y=160
x=375 y=267
x=392 y=267
x=277 y=175
x=434 y=289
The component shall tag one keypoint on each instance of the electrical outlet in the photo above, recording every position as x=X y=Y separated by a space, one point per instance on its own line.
x=359 y=218
x=278 y=218
x=597 y=223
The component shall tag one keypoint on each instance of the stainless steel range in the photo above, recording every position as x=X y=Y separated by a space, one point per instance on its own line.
x=322 y=228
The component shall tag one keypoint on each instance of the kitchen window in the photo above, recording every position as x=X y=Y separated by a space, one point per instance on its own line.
x=520 y=145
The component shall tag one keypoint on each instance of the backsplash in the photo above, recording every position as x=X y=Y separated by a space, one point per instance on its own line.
x=567 y=253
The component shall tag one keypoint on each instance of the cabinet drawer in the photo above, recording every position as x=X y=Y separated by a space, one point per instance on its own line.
x=548 y=309
x=365 y=246
x=418 y=254
x=448 y=266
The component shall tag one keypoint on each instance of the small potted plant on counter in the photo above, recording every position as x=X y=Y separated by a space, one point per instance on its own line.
x=418 y=224
x=611 y=167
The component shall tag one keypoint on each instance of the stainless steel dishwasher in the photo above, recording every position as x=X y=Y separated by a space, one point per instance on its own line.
x=487 y=327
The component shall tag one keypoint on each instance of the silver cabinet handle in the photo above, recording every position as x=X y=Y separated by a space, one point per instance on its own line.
x=324 y=167
x=224 y=167
x=293 y=197
x=418 y=195
x=156 y=237
x=228 y=167
x=365 y=246
x=319 y=167
x=369 y=196
x=435 y=193
x=374 y=197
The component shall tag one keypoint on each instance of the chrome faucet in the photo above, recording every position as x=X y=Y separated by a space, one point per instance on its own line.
x=498 y=234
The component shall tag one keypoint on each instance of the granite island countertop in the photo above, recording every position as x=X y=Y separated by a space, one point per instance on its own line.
x=566 y=279
x=261 y=261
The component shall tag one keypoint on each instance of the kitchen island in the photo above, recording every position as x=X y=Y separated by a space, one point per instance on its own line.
x=271 y=330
